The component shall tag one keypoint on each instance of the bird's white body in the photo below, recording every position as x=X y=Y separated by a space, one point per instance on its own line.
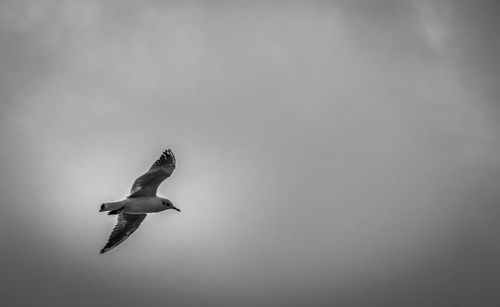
x=137 y=205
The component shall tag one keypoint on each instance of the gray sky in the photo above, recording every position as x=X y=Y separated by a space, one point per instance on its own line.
x=329 y=153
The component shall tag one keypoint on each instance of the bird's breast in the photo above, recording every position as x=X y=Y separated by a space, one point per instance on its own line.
x=144 y=205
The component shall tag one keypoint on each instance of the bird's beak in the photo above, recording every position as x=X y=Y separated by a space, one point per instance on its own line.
x=176 y=208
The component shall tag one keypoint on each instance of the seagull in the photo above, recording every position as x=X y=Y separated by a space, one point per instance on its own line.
x=142 y=200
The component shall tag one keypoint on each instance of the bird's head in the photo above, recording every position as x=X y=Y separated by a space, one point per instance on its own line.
x=168 y=204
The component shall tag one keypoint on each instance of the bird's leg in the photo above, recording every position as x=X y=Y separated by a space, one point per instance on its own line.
x=117 y=211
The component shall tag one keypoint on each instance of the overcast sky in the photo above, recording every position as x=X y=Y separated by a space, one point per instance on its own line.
x=328 y=152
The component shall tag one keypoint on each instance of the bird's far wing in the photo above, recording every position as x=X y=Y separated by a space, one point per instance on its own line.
x=147 y=184
x=125 y=226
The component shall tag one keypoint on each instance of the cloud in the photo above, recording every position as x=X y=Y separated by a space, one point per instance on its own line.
x=329 y=153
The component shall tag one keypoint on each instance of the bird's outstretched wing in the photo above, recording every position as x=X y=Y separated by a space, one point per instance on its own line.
x=126 y=224
x=147 y=184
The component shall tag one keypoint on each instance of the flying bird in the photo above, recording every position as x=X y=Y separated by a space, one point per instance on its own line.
x=142 y=200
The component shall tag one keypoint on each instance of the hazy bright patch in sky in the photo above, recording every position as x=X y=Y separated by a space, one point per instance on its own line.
x=341 y=152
